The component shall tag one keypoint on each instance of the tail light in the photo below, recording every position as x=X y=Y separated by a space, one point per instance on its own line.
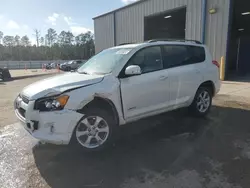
x=216 y=64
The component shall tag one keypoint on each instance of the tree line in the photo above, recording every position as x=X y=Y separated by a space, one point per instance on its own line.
x=52 y=46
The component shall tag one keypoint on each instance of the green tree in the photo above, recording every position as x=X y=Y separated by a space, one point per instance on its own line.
x=18 y=49
x=1 y=37
x=42 y=41
x=8 y=41
x=62 y=38
x=89 y=36
x=38 y=36
x=51 y=36
x=46 y=40
x=69 y=38
x=17 y=40
x=25 y=41
x=83 y=38
x=65 y=38
x=80 y=39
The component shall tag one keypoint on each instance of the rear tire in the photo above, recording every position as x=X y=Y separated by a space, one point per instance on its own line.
x=95 y=131
x=202 y=102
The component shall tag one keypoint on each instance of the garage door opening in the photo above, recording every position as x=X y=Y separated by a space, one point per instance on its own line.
x=239 y=44
x=167 y=25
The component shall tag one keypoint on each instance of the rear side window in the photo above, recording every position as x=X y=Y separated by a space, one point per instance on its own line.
x=177 y=55
x=198 y=54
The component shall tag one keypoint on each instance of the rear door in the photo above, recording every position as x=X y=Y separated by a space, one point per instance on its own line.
x=184 y=72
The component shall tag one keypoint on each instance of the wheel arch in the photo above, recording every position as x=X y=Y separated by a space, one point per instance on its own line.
x=104 y=103
x=209 y=84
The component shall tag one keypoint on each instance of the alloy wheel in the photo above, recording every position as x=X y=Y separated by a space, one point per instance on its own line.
x=92 y=132
x=203 y=101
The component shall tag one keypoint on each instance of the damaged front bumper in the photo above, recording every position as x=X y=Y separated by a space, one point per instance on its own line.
x=53 y=127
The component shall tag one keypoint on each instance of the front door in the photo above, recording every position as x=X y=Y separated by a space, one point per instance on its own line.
x=144 y=94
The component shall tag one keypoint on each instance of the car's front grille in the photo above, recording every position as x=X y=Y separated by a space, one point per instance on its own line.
x=22 y=112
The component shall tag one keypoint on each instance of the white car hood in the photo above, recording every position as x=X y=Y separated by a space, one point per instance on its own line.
x=58 y=84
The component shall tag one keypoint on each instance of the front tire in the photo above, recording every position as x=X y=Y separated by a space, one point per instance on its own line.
x=202 y=102
x=95 y=131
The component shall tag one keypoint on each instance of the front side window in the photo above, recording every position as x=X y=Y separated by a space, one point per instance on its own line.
x=148 y=59
x=104 y=62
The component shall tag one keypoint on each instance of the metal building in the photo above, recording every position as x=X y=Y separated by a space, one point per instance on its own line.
x=209 y=21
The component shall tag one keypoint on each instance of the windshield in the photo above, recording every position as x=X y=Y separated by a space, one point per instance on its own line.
x=104 y=62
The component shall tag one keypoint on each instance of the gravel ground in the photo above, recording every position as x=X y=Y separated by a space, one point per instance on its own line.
x=170 y=150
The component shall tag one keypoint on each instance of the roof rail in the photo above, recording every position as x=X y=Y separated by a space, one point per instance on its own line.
x=177 y=40
x=124 y=43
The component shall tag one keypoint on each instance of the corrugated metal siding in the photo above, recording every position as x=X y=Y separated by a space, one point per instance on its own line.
x=130 y=21
x=104 y=32
x=217 y=28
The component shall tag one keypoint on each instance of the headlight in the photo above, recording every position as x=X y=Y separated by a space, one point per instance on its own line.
x=51 y=103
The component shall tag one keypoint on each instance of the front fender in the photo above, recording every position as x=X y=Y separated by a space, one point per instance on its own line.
x=85 y=102
x=109 y=89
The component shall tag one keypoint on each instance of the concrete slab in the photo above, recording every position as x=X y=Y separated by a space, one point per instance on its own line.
x=241 y=89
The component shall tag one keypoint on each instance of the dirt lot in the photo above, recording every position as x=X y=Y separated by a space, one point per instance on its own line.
x=170 y=150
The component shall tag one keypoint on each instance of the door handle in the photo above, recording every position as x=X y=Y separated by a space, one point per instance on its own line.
x=163 y=77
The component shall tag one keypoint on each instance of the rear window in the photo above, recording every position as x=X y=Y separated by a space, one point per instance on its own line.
x=177 y=55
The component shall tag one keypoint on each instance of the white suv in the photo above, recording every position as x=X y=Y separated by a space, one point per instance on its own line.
x=117 y=86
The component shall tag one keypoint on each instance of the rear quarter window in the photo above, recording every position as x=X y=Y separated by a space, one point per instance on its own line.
x=180 y=55
x=198 y=54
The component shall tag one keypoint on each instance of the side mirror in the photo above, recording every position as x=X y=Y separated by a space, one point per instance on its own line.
x=133 y=70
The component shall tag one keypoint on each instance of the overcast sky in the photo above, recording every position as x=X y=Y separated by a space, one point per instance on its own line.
x=21 y=17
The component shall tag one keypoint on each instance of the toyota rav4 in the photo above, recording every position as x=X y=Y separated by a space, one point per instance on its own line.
x=117 y=86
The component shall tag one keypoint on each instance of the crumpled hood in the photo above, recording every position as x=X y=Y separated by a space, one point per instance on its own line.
x=58 y=84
